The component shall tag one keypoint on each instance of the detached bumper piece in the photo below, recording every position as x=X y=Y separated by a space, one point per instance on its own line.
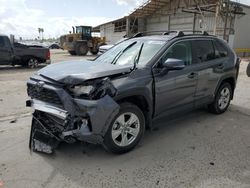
x=41 y=139
x=52 y=125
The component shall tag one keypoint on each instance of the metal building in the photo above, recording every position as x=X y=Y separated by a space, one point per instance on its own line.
x=226 y=19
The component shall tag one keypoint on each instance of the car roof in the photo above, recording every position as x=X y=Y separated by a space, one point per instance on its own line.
x=2 y=35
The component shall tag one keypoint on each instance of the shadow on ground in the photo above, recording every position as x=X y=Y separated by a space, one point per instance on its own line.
x=181 y=152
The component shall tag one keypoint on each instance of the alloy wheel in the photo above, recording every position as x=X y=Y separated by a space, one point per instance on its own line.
x=125 y=129
x=224 y=98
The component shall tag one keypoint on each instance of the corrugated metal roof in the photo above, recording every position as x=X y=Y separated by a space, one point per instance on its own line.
x=151 y=7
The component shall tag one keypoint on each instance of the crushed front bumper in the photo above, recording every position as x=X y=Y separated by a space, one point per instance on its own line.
x=75 y=119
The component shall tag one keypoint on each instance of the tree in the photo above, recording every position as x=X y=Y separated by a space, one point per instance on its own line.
x=40 y=31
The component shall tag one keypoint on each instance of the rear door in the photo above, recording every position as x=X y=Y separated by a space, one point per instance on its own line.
x=5 y=51
x=210 y=68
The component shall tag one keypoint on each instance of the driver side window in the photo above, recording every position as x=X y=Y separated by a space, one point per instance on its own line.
x=181 y=50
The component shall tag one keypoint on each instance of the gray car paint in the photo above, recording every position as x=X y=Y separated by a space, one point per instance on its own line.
x=164 y=91
x=76 y=72
x=105 y=109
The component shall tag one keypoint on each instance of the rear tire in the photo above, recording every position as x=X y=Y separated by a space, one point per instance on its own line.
x=126 y=129
x=81 y=49
x=32 y=63
x=72 y=52
x=222 y=99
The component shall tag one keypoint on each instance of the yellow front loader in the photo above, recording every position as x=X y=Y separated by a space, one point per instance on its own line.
x=81 y=41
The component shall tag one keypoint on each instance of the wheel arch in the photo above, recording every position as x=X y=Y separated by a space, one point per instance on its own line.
x=142 y=102
x=231 y=80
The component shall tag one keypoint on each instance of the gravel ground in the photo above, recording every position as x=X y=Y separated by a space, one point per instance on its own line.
x=197 y=150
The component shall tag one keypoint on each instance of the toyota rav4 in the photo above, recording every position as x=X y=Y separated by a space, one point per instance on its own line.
x=112 y=99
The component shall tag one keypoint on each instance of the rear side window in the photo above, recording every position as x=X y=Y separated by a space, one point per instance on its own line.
x=204 y=50
x=220 y=50
x=2 y=42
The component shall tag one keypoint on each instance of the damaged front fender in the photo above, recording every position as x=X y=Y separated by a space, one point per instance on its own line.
x=76 y=119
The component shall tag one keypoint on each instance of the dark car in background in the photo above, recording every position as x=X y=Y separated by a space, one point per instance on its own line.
x=55 y=46
x=21 y=54
x=114 y=98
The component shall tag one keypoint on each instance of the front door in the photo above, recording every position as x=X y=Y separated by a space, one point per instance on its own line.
x=175 y=90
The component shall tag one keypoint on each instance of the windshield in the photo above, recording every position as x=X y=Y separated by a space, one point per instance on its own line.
x=131 y=52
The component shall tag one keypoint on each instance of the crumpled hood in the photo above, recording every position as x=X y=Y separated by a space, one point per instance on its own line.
x=76 y=72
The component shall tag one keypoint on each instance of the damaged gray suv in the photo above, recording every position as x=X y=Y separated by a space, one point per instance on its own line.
x=112 y=99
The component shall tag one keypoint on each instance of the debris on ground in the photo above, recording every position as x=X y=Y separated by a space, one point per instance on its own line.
x=211 y=163
x=13 y=121
x=192 y=147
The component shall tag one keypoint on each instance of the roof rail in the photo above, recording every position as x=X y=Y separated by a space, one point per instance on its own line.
x=141 y=34
x=194 y=32
x=177 y=33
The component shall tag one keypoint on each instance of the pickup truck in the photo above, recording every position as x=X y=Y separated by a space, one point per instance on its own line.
x=21 y=54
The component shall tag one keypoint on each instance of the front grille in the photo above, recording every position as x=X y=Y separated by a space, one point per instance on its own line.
x=44 y=94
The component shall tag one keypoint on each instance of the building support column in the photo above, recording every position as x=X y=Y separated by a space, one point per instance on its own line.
x=169 y=22
x=216 y=18
x=194 y=21
x=226 y=21
x=128 y=32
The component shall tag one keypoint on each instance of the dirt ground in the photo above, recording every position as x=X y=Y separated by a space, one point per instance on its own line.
x=197 y=150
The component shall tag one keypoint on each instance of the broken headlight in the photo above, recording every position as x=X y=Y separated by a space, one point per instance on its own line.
x=94 y=90
x=81 y=90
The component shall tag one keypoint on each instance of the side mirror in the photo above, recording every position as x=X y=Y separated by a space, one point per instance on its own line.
x=174 y=64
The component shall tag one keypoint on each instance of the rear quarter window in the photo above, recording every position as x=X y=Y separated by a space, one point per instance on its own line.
x=220 y=50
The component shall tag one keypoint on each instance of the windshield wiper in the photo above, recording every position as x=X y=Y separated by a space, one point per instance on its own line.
x=121 y=52
x=136 y=61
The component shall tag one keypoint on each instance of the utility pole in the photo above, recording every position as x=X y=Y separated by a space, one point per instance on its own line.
x=216 y=18
x=226 y=20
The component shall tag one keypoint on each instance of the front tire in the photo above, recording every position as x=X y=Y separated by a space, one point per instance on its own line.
x=82 y=49
x=126 y=129
x=222 y=99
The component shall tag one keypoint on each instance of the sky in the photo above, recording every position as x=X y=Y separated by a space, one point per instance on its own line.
x=23 y=17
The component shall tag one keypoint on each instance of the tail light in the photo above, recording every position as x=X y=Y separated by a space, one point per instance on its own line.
x=48 y=55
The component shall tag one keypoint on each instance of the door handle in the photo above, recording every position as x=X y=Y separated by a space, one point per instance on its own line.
x=220 y=66
x=192 y=75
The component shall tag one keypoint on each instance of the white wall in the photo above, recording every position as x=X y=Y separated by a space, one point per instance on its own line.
x=242 y=30
x=112 y=37
x=181 y=21
x=155 y=23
